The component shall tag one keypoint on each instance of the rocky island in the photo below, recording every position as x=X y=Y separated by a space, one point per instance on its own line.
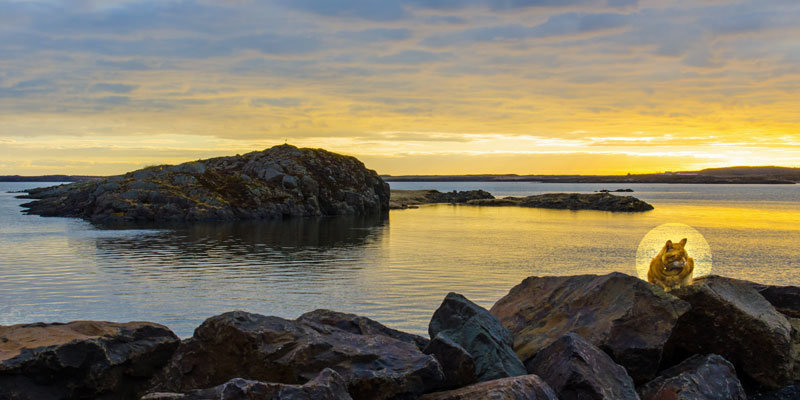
x=274 y=183
x=571 y=201
x=612 y=337
x=603 y=201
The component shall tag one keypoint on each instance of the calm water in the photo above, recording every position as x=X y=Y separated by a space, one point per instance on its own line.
x=396 y=270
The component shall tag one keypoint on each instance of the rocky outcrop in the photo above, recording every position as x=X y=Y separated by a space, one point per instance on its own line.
x=576 y=369
x=730 y=318
x=572 y=201
x=328 y=385
x=272 y=349
x=785 y=299
x=526 y=387
x=82 y=359
x=360 y=325
x=791 y=392
x=708 y=377
x=628 y=318
x=470 y=343
x=402 y=199
x=277 y=182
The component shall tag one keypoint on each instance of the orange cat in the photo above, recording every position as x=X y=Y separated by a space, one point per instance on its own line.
x=672 y=268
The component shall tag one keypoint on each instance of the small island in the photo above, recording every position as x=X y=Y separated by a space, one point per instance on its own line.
x=604 y=201
x=283 y=181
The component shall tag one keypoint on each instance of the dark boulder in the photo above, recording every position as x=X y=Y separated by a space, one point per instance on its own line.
x=479 y=333
x=785 y=299
x=624 y=316
x=525 y=387
x=700 y=377
x=328 y=385
x=82 y=359
x=730 y=318
x=576 y=369
x=271 y=349
x=360 y=325
x=791 y=392
x=457 y=363
x=274 y=183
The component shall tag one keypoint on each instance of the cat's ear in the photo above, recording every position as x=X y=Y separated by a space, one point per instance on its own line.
x=669 y=245
x=683 y=242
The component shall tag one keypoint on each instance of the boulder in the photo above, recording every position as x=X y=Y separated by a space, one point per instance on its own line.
x=525 y=387
x=81 y=359
x=730 y=318
x=457 y=363
x=700 y=377
x=479 y=334
x=576 y=369
x=360 y=325
x=271 y=349
x=328 y=385
x=791 y=392
x=785 y=299
x=624 y=316
x=274 y=183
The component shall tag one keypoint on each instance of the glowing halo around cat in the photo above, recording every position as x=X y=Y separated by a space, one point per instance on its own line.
x=653 y=241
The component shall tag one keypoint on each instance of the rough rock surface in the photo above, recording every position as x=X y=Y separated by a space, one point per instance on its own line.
x=360 y=325
x=791 y=392
x=576 y=369
x=728 y=317
x=81 y=359
x=708 y=377
x=280 y=181
x=328 y=385
x=526 y=387
x=272 y=349
x=572 y=201
x=624 y=316
x=480 y=334
x=785 y=299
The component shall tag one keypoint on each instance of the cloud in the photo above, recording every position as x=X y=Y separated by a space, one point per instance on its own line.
x=113 y=87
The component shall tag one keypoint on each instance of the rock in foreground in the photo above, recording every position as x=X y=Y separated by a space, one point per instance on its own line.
x=628 y=318
x=730 y=318
x=466 y=335
x=526 y=387
x=328 y=385
x=576 y=369
x=572 y=201
x=82 y=359
x=271 y=349
x=708 y=377
x=277 y=182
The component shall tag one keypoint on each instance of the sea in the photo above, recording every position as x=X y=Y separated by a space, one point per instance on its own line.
x=394 y=269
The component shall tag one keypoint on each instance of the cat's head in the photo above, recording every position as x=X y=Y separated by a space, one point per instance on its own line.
x=674 y=257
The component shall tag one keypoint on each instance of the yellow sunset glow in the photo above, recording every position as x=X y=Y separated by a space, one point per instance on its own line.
x=410 y=88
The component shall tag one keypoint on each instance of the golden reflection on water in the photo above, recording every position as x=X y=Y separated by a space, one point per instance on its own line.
x=396 y=271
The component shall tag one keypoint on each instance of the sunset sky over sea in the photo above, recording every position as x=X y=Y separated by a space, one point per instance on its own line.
x=408 y=87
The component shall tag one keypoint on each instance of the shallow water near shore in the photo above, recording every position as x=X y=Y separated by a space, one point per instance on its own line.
x=395 y=269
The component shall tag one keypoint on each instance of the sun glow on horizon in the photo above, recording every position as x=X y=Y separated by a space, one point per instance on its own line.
x=476 y=87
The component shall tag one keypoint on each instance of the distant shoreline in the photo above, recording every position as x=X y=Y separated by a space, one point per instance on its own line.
x=767 y=175
x=591 y=179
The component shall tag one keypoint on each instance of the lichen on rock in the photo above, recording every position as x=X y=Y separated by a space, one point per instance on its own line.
x=278 y=182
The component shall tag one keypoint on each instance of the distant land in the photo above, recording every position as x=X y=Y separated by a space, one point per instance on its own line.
x=47 y=178
x=737 y=175
x=740 y=175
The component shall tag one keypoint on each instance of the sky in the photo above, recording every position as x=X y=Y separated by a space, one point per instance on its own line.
x=407 y=86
